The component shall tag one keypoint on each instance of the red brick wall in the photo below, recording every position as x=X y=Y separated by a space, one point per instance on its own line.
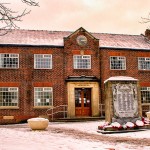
x=26 y=78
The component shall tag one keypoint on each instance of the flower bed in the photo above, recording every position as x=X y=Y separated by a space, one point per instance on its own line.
x=115 y=126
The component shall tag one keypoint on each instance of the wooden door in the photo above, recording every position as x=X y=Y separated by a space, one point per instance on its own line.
x=82 y=101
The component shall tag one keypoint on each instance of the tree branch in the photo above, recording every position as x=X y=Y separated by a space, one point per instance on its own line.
x=145 y=19
x=8 y=17
x=30 y=2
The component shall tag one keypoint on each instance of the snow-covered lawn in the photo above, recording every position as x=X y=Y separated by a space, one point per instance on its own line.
x=70 y=136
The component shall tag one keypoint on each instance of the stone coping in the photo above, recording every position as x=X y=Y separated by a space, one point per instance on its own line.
x=120 y=78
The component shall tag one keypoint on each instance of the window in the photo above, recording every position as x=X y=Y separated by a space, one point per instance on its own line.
x=82 y=61
x=118 y=63
x=8 y=96
x=145 y=94
x=43 y=61
x=9 y=60
x=43 y=96
x=144 y=63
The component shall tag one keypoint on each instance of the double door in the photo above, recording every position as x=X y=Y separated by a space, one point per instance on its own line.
x=83 y=102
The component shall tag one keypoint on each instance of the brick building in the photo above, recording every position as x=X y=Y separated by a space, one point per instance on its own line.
x=43 y=69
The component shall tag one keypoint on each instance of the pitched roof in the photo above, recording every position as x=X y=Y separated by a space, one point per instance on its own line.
x=123 y=41
x=34 y=37
x=55 y=38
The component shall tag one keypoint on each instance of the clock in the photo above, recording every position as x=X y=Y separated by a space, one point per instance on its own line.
x=81 y=40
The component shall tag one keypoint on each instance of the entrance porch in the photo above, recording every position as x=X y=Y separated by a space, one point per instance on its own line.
x=83 y=99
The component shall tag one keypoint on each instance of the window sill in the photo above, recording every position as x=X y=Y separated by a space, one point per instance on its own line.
x=144 y=70
x=9 y=107
x=83 y=69
x=145 y=104
x=42 y=68
x=10 y=68
x=42 y=107
x=118 y=69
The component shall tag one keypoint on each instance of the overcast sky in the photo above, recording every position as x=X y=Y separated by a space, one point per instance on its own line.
x=103 y=16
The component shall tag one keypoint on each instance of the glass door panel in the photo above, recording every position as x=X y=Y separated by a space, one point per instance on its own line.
x=83 y=101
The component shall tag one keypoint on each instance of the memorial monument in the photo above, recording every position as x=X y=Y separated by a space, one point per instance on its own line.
x=122 y=102
x=123 y=110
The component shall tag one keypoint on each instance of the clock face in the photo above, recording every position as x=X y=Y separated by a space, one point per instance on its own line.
x=81 y=40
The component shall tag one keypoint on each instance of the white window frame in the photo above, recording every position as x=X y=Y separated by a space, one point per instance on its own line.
x=146 y=98
x=43 y=55
x=121 y=59
x=77 y=65
x=7 y=65
x=145 y=64
x=7 y=100
x=37 y=100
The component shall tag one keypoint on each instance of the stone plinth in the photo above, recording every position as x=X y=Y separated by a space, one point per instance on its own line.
x=38 y=123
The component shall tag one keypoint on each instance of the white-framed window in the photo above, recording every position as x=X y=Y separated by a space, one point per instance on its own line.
x=43 y=96
x=42 y=61
x=144 y=63
x=118 y=63
x=82 y=61
x=145 y=94
x=9 y=60
x=8 y=96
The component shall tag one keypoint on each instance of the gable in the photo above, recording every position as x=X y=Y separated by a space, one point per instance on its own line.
x=81 y=40
x=83 y=31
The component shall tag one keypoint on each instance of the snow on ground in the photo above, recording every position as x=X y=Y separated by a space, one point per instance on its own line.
x=92 y=126
x=67 y=136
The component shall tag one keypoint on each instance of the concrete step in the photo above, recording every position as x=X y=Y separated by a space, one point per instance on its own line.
x=77 y=119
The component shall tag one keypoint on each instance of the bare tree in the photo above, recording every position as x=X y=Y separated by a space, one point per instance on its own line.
x=146 y=20
x=9 y=17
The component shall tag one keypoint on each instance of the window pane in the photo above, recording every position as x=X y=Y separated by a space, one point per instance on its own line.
x=117 y=63
x=82 y=61
x=43 y=96
x=8 y=96
x=43 y=61
x=145 y=94
x=9 y=60
x=144 y=63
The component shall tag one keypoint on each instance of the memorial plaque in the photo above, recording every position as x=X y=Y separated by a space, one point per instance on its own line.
x=125 y=100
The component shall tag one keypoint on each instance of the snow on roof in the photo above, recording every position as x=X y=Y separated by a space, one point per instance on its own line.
x=34 y=38
x=56 y=38
x=120 y=78
x=123 y=41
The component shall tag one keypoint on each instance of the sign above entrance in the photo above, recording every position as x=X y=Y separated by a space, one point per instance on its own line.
x=82 y=78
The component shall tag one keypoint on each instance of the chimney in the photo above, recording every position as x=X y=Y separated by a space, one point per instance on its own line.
x=147 y=33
